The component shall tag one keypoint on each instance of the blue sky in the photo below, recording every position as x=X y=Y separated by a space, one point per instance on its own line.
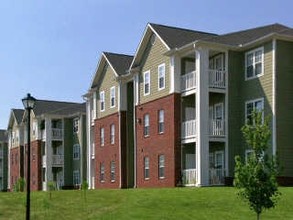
x=51 y=48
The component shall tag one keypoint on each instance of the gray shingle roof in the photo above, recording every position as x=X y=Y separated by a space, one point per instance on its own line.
x=176 y=37
x=18 y=113
x=120 y=62
x=58 y=108
x=3 y=135
x=247 y=36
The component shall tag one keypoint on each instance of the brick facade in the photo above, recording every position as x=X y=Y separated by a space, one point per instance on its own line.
x=16 y=165
x=154 y=145
x=107 y=153
x=36 y=165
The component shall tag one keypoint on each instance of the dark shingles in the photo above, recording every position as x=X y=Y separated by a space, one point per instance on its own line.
x=120 y=62
x=3 y=135
x=176 y=37
x=18 y=114
x=57 y=107
x=246 y=36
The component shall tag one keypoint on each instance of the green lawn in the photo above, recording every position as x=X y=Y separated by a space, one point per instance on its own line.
x=172 y=203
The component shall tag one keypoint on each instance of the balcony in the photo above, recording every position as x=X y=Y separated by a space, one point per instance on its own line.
x=188 y=81
x=188 y=129
x=189 y=177
x=217 y=79
x=57 y=134
x=217 y=127
x=57 y=160
x=217 y=176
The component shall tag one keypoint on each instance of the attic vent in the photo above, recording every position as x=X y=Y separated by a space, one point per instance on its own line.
x=153 y=39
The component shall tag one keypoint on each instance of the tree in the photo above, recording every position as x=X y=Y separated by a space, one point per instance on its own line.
x=256 y=178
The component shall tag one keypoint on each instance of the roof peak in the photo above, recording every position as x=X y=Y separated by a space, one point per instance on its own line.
x=116 y=54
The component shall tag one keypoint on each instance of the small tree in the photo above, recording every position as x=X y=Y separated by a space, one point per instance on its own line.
x=84 y=187
x=51 y=187
x=256 y=178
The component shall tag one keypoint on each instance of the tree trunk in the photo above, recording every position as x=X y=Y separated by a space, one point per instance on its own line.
x=258 y=216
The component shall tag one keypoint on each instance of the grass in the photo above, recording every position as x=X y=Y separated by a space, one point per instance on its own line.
x=168 y=203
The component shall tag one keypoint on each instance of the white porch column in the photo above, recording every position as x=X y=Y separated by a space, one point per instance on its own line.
x=202 y=116
x=175 y=73
x=48 y=151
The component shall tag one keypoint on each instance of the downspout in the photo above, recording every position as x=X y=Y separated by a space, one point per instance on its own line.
x=274 y=138
x=119 y=125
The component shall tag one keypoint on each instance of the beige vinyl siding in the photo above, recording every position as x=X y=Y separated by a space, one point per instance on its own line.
x=108 y=79
x=151 y=59
x=284 y=106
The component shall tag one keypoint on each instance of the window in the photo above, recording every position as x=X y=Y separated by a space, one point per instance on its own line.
x=254 y=63
x=102 y=101
x=112 y=133
x=76 y=151
x=161 y=127
x=161 y=76
x=75 y=125
x=102 y=172
x=146 y=82
x=146 y=130
x=248 y=154
x=112 y=171
x=254 y=105
x=112 y=97
x=162 y=166
x=76 y=177
x=102 y=135
x=146 y=168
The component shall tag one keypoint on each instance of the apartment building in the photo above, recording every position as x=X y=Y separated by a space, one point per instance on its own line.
x=192 y=92
x=58 y=145
x=3 y=160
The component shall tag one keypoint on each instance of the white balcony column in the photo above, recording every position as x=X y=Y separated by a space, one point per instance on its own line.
x=136 y=89
x=175 y=77
x=94 y=107
x=48 y=150
x=89 y=143
x=202 y=116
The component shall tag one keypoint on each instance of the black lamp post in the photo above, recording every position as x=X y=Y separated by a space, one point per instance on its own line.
x=28 y=103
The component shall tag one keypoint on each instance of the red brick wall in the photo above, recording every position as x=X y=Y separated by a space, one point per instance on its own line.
x=16 y=165
x=36 y=165
x=156 y=144
x=107 y=153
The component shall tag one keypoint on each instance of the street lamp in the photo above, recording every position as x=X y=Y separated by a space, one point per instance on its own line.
x=28 y=103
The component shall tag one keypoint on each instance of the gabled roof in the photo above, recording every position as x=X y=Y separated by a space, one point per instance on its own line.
x=3 y=135
x=247 y=36
x=58 y=108
x=16 y=115
x=176 y=37
x=120 y=64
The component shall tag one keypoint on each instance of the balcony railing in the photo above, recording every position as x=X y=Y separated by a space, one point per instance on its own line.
x=217 y=176
x=57 y=160
x=217 y=127
x=188 y=129
x=57 y=134
x=188 y=81
x=189 y=177
x=217 y=79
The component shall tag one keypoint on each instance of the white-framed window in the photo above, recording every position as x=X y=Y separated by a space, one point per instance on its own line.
x=161 y=76
x=112 y=133
x=162 y=166
x=76 y=177
x=76 y=151
x=112 y=97
x=146 y=124
x=112 y=166
x=102 y=101
x=219 y=111
x=102 y=136
x=161 y=124
x=102 y=172
x=253 y=105
x=146 y=168
x=147 y=82
x=254 y=63
x=75 y=125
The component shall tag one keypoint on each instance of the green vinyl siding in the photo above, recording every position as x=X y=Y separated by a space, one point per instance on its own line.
x=241 y=91
x=284 y=106
x=151 y=59
x=107 y=80
x=68 y=152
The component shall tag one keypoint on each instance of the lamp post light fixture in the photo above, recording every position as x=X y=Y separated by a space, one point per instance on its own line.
x=29 y=104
